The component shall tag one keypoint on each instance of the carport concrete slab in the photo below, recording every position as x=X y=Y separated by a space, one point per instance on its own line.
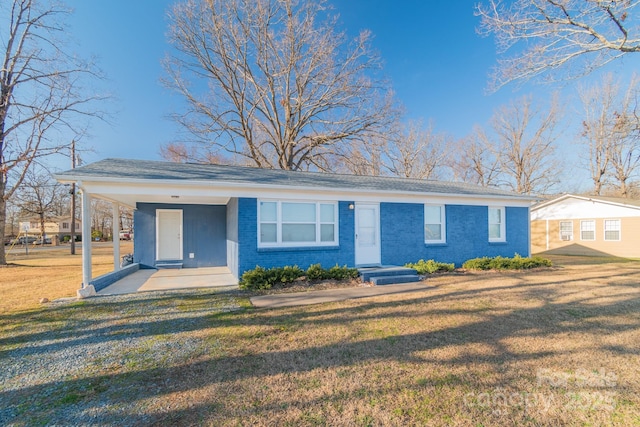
x=162 y=280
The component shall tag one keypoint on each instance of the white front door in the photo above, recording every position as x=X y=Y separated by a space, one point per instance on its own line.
x=367 y=234
x=168 y=234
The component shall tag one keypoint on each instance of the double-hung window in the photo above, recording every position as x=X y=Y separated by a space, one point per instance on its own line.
x=289 y=223
x=588 y=230
x=434 y=224
x=611 y=229
x=566 y=231
x=497 y=231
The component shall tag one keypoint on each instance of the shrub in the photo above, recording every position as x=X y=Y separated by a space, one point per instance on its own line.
x=265 y=278
x=430 y=266
x=288 y=274
x=501 y=263
x=341 y=273
x=258 y=278
x=316 y=272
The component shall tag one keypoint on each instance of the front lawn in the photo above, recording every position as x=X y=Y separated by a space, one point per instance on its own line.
x=548 y=347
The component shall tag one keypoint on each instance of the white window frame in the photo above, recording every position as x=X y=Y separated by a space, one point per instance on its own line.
x=318 y=223
x=570 y=232
x=503 y=228
x=588 y=221
x=618 y=229
x=443 y=224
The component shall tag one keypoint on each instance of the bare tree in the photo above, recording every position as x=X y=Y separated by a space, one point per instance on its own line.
x=576 y=36
x=475 y=160
x=600 y=103
x=270 y=81
x=417 y=152
x=364 y=157
x=625 y=149
x=525 y=142
x=610 y=133
x=179 y=152
x=101 y=219
x=41 y=90
x=40 y=196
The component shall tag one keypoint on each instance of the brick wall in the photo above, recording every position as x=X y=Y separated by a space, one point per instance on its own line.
x=467 y=232
x=250 y=255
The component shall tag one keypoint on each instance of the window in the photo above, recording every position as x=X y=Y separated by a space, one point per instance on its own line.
x=496 y=224
x=566 y=231
x=297 y=223
x=434 y=224
x=588 y=230
x=611 y=229
x=65 y=225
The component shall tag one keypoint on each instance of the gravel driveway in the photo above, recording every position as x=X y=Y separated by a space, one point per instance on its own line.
x=56 y=363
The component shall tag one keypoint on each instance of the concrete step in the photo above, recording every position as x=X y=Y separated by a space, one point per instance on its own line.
x=392 y=280
x=369 y=272
x=167 y=265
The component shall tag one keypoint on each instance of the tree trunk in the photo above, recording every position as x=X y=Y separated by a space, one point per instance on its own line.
x=597 y=187
x=43 y=232
x=3 y=222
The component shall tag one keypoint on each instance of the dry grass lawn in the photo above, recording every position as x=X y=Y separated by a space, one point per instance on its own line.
x=49 y=272
x=548 y=347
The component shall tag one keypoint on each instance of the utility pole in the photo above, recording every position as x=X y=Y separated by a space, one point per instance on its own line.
x=73 y=200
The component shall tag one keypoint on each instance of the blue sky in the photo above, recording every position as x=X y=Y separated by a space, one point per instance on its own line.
x=432 y=54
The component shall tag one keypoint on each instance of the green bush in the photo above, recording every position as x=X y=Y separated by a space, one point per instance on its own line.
x=316 y=272
x=501 y=263
x=265 y=278
x=341 y=273
x=288 y=274
x=258 y=278
x=430 y=266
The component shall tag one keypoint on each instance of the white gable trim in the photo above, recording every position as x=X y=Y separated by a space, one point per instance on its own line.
x=579 y=207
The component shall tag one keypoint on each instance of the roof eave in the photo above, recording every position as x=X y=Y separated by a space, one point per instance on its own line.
x=66 y=178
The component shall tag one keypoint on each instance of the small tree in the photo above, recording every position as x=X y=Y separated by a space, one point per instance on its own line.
x=41 y=196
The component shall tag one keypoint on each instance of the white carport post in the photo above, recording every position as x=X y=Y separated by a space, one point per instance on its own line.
x=116 y=236
x=87 y=289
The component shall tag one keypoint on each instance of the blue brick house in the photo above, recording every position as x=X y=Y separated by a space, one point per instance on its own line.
x=193 y=215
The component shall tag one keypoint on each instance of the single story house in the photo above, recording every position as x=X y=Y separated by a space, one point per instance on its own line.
x=196 y=215
x=586 y=225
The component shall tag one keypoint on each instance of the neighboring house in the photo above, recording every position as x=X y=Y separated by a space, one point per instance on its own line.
x=193 y=215
x=586 y=225
x=60 y=225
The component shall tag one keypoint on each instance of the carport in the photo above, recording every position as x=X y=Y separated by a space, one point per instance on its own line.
x=161 y=206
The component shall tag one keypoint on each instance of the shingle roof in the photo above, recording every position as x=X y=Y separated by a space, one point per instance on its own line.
x=155 y=170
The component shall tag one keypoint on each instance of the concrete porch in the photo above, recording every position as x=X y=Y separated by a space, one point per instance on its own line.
x=162 y=280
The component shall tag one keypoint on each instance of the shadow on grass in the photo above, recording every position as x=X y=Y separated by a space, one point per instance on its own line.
x=81 y=324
